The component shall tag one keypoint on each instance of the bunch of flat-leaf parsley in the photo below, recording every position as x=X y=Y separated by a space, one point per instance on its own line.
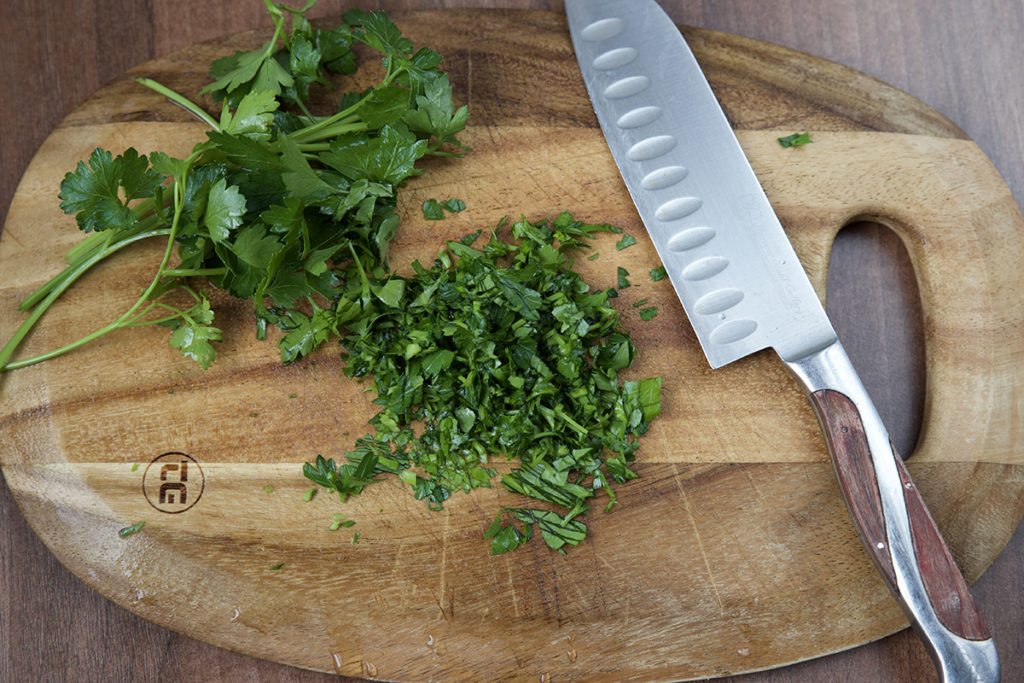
x=277 y=205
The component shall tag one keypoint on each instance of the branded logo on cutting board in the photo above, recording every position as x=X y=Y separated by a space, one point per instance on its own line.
x=173 y=482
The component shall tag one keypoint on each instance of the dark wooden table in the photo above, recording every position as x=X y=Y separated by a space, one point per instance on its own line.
x=960 y=58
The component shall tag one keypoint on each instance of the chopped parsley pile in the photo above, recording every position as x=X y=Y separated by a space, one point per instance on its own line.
x=498 y=349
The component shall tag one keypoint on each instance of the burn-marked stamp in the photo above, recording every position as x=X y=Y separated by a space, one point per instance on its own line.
x=173 y=482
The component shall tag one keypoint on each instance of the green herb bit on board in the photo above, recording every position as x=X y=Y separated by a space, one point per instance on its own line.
x=626 y=241
x=795 y=140
x=498 y=349
x=433 y=210
x=623 y=278
x=277 y=204
x=129 y=530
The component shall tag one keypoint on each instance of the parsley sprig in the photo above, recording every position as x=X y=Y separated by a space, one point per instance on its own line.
x=276 y=205
x=498 y=348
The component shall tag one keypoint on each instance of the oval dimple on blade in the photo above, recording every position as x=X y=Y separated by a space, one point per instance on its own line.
x=603 y=29
x=691 y=238
x=666 y=176
x=704 y=268
x=627 y=87
x=718 y=300
x=639 y=117
x=677 y=208
x=651 y=148
x=615 y=59
x=733 y=331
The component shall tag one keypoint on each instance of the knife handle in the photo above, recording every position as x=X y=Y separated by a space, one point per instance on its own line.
x=893 y=521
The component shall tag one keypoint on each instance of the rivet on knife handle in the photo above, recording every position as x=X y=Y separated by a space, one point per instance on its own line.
x=744 y=290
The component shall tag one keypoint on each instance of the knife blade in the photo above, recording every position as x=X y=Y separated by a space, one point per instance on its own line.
x=744 y=290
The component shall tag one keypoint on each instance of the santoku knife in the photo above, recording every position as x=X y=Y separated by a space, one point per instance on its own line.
x=744 y=290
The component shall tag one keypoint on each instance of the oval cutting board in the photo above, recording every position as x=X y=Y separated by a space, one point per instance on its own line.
x=732 y=551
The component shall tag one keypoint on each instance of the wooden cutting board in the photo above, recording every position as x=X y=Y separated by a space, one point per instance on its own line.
x=732 y=551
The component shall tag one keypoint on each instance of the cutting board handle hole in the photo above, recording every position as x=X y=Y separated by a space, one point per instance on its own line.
x=869 y=261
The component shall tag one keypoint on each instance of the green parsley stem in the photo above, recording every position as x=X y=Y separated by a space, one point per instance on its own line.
x=314 y=147
x=179 y=189
x=193 y=272
x=72 y=275
x=330 y=127
x=98 y=242
x=440 y=153
x=125 y=318
x=138 y=321
x=145 y=212
x=95 y=245
x=305 y=111
x=182 y=101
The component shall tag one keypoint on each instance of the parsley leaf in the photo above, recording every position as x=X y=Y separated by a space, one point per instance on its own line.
x=94 y=191
x=387 y=158
x=435 y=115
x=224 y=209
x=194 y=335
x=253 y=116
x=378 y=31
x=305 y=333
x=346 y=479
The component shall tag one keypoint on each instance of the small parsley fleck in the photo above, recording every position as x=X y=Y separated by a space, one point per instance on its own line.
x=129 y=530
x=626 y=241
x=795 y=140
x=433 y=210
x=623 y=277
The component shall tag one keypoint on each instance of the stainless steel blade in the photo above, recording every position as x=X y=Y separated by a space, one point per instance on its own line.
x=722 y=245
x=744 y=290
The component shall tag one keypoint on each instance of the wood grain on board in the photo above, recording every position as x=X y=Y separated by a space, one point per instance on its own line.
x=733 y=550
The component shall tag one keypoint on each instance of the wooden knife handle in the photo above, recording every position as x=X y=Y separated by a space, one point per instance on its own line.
x=947 y=591
x=893 y=521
